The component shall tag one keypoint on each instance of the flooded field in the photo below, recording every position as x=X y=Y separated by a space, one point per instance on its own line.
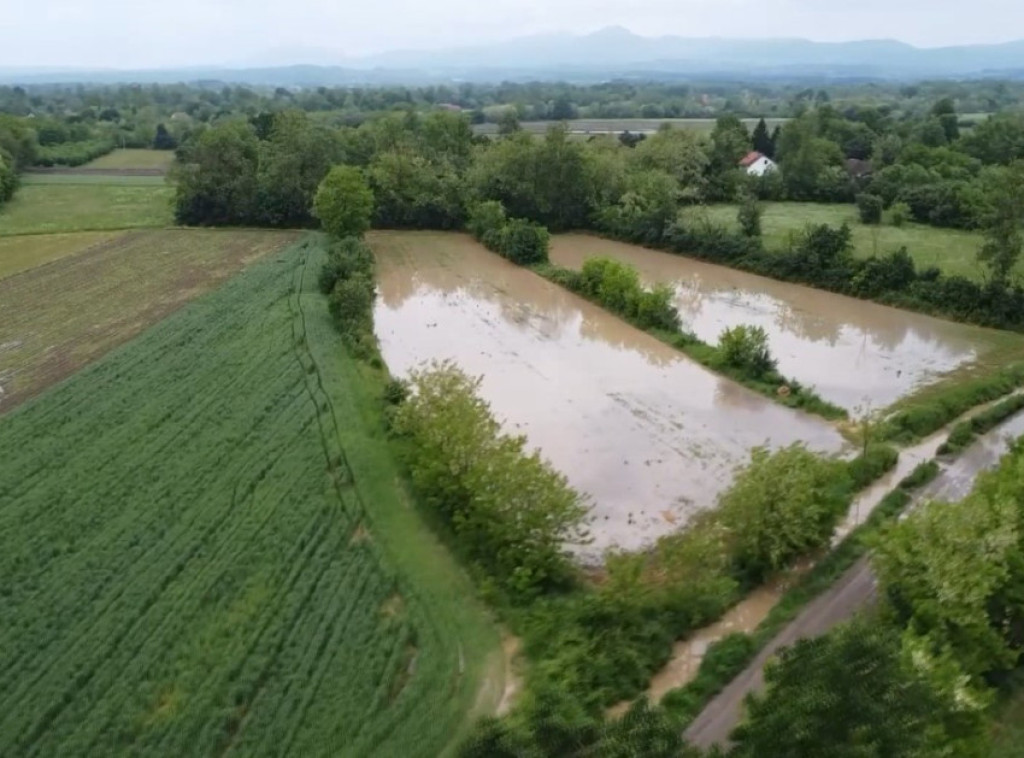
x=651 y=436
x=855 y=353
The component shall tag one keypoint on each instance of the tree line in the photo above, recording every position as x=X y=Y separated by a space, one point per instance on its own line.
x=430 y=171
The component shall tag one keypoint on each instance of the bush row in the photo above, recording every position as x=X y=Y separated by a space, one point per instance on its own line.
x=518 y=240
x=347 y=278
x=742 y=353
x=966 y=432
x=73 y=153
x=929 y=415
x=822 y=257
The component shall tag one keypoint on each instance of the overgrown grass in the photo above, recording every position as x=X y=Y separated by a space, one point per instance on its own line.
x=46 y=209
x=922 y=417
x=966 y=432
x=953 y=251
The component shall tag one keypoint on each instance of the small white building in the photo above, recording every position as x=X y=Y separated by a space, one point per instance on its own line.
x=757 y=164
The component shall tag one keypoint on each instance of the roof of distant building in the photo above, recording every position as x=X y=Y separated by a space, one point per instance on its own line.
x=751 y=158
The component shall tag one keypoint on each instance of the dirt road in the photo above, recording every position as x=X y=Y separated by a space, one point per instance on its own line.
x=851 y=593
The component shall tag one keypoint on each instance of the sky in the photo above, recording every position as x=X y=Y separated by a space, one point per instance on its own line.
x=131 y=34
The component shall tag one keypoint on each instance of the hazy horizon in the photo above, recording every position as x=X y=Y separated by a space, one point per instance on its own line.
x=114 y=34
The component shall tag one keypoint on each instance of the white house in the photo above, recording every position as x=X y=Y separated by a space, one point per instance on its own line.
x=757 y=164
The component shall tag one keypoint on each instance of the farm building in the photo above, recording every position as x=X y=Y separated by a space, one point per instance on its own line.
x=757 y=164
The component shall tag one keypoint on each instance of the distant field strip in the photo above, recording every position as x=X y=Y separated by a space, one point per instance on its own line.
x=84 y=207
x=133 y=159
x=27 y=251
x=191 y=555
x=56 y=318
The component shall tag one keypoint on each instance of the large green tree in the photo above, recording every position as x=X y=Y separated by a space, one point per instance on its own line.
x=344 y=202
x=1004 y=221
x=954 y=573
x=679 y=153
x=782 y=505
x=292 y=162
x=216 y=181
x=851 y=694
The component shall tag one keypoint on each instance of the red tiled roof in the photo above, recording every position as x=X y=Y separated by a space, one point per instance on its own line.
x=750 y=159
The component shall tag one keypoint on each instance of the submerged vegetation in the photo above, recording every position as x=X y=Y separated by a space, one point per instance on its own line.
x=742 y=353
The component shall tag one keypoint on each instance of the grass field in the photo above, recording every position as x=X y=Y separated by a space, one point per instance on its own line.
x=121 y=159
x=27 y=251
x=130 y=180
x=47 y=209
x=209 y=551
x=951 y=250
x=55 y=319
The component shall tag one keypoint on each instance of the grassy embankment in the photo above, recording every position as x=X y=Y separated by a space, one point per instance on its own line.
x=214 y=516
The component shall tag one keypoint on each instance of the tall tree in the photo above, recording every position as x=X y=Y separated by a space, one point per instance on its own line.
x=344 y=202
x=761 y=140
x=679 y=153
x=217 y=176
x=1004 y=240
x=945 y=111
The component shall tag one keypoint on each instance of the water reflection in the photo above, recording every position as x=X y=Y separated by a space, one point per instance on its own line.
x=852 y=351
x=649 y=434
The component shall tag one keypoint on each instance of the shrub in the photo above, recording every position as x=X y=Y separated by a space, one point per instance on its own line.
x=746 y=348
x=510 y=511
x=520 y=241
x=524 y=242
x=899 y=214
x=783 y=505
x=749 y=216
x=872 y=464
x=870 y=208
x=73 y=153
x=656 y=309
x=396 y=392
x=486 y=220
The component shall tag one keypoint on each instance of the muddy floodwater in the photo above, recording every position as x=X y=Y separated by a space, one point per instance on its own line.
x=649 y=435
x=855 y=353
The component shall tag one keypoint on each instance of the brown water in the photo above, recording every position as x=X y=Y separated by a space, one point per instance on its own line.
x=855 y=353
x=651 y=436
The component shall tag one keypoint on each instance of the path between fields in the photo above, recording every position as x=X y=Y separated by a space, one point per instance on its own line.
x=854 y=590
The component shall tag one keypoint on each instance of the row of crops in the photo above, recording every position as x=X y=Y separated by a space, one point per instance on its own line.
x=190 y=564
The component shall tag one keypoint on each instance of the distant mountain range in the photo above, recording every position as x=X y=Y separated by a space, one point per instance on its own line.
x=611 y=52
